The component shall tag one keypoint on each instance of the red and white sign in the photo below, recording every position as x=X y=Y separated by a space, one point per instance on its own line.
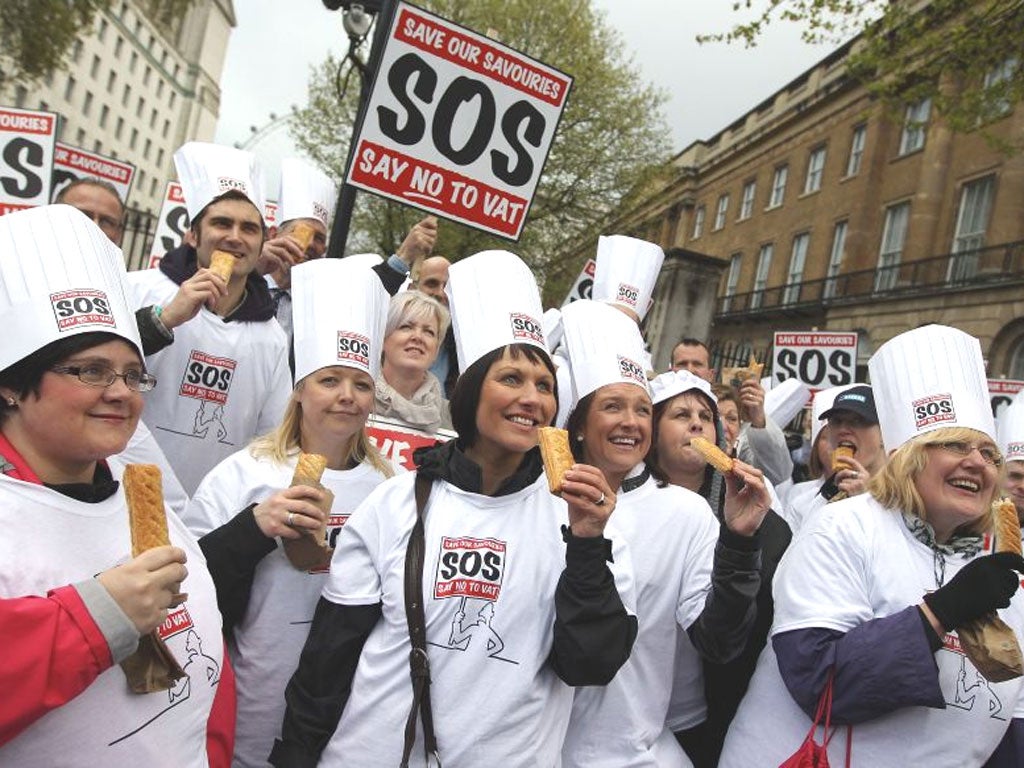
x=396 y=442
x=820 y=359
x=176 y=622
x=27 y=139
x=73 y=163
x=1001 y=393
x=468 y=567
x=270 y=214
x=934 y=409
x=81 y=306
x=583 y=288
x=172 y=224
x=207 y=377
x=457 y=124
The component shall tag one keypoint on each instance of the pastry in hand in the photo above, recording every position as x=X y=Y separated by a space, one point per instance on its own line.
x=839 y=456
x=146 y=514
x=557 y=456
x=222 y=263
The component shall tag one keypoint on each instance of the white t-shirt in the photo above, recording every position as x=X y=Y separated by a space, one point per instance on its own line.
x=803 y=501
x=671 y=534
x=269 y=638
x=848 y=567
x=220 y=384
x=50 y=540
x=491 y=567
x=143 y=448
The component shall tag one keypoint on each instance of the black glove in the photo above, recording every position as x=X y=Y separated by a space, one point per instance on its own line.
x=981 y=586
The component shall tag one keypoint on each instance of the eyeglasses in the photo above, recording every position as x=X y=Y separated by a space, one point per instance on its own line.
x=104 y=376
x=989 y=454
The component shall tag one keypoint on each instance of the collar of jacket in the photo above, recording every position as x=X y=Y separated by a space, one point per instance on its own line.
x=446 y=461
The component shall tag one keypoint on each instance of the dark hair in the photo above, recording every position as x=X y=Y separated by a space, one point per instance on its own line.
x=654 y=461
x=726 y=393
x=465 y=398
x=26 y=375
x=574 y=424
x=231 y=194
x=91 y=181
x=689 y=341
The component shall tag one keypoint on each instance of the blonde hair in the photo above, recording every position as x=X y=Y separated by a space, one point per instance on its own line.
x=895 y=485
x=284 y=441
x=416 y=307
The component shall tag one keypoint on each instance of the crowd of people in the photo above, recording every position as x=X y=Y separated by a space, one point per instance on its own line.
x=648 y=606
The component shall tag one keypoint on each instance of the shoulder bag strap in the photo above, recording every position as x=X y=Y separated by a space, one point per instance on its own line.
x=419 y=664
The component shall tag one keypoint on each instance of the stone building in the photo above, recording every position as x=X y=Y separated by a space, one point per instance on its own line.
x=821 y=210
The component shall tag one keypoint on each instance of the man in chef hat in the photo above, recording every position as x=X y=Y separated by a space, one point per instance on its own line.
x=229 y=356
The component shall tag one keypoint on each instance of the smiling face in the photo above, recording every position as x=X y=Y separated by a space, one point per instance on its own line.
x=686 y=416
x=517 y=396
x=233 y=225
x=336 y=402
x=956 y=490
x=1014 y=485
x=70 y=425
x=846 y=428
x=617 y=432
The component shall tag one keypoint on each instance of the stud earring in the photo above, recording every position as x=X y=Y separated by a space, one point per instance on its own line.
x=11 y=402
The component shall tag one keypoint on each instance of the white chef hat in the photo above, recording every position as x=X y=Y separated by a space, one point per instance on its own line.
x=306 y=193
x=553 y=330
x=333 y=332
x=1011 y=431
x=368 y=260
x=928 y=378
x=784 y=401
x=824 y=399
x=604 y=346
x=667 y=385
x=494 y=302
x=59 y=276
x=207 y=171
x=626 y=272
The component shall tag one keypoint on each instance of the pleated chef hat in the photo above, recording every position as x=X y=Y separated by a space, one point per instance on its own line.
x=494 y=302
x=604 y=346
x=368 y=260
x=333 y=332
x=207 y=171
x=667 y=385
x=824 y=399
x=1011 y=431
x=306 y=193
x=784 y=401
x=59 y=276
x=928 y=378
x=626 y=272
x=553 y=331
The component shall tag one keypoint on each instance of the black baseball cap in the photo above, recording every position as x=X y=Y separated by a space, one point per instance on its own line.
x=858 y=400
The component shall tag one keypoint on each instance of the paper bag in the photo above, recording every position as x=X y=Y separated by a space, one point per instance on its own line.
x=152 y=667
x=992 y=647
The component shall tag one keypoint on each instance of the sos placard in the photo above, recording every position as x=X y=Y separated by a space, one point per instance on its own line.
x=1001 y=393
x=73 y=163
x=396 y=442
x=818 y=359
x=457 y=124
x=172 y=224
x=27 y=140
x=584 y=285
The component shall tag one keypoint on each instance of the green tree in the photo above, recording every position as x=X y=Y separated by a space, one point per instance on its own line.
x=964 y=56
x=612 y=136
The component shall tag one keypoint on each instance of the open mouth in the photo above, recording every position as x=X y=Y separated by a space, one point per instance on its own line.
x=625 y=442
x=965 y=484
x=523 y=421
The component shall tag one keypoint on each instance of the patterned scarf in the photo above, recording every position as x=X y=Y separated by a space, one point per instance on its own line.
x=967 y=545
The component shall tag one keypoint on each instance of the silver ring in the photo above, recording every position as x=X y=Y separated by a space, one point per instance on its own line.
x=291 y=516
x=600 y=502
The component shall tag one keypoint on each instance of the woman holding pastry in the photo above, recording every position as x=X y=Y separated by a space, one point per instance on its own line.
x=74 y=602
x=883 y=594
x=696 y=579
x=686 y=409
x=407 y=391
x=513 y=594
x=295 y=488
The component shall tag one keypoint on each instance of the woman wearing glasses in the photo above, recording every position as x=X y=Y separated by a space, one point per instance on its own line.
x=73 y=602
x=872 y=594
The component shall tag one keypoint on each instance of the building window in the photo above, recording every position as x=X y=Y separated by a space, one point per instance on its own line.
x=69 y=89
x=835 y=261
x=134 y=139
x=146 y=148
x=778 y=186
x=160 y=157
x=894 y=234
x=140 y=107
x=104 y=114
x=172 y=99
x=111 y=81
x=133 y=62
x=732 y=280
x=764 y=263
x=721 y=211
x=160 y=88
x=76 y=51
x=20 y=96
x=167 y=127
x=971 y=223
x=152 y=119
x=80 y=137
x=747 y=204
x=698 y=222
x=147 y=74
x=97 y=146
x=95 y=68
x=797 y=259
x=102 y=31
x=118 y=47
x=1001 y=78
x=856 y=150
x=87 y=103
x=815 y=170
x=152 y=187
x=119 y=129
x=142 y=178
x=915 y=126
x=126 y=95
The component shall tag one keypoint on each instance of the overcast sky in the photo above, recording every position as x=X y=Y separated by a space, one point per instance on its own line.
x=276 y=43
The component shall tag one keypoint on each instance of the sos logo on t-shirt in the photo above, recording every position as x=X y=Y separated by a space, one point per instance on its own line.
x=934 y=409
x=468 y=567
x=355 y=348
x=207 y=377
x=526 y=328
x=632 y=371
x=176 y=622
x=82 y=306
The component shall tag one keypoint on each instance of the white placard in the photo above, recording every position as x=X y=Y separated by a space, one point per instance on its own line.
x=73 y=163
x=457 y=124
x=1002 y=392
x=584 y=285
x=27 y=138
x=820 y=359
x=172 y=224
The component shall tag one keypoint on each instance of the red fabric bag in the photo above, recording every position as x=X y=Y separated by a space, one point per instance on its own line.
x=811 y=754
